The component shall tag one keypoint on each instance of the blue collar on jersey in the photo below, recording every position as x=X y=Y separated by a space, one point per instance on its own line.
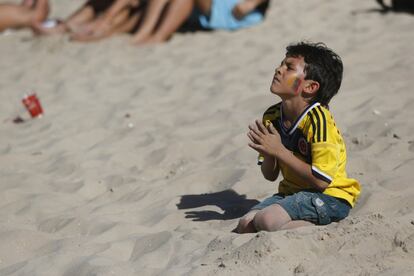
x=298 y=120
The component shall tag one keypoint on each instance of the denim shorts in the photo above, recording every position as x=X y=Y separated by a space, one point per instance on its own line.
x=315 y=207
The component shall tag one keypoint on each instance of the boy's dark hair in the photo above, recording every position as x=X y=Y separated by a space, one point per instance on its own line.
x=322 y=65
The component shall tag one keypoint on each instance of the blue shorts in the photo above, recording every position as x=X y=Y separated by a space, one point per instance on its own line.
x=315 y=207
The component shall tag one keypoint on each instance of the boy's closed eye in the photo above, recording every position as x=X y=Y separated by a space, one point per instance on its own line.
x=290 y=66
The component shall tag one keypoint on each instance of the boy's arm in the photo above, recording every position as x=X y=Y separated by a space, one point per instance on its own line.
x=268 y=142
x=270 y=168
x=245 y=7
x=301 y=168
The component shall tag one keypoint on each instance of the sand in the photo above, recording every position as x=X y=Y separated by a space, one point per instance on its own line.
x=140 y=164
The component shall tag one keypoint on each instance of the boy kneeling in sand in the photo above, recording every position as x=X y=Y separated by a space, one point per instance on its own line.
x=298 y=136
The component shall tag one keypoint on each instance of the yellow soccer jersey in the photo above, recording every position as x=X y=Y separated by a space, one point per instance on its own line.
x=315 y=139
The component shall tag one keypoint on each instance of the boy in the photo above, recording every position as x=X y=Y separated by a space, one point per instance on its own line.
x=298 y=136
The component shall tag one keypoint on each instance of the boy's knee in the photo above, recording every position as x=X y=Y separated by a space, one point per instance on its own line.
x=271 y=219
x=263 y=222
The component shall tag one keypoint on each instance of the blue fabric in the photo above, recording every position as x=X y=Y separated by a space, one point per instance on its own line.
x=315 y=207
x=221 y=17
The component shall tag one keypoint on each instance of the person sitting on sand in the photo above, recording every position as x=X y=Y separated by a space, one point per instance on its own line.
x=299 y=137
x=163 y=17
x=28 y=13
x=160 y=18
x=97 y=19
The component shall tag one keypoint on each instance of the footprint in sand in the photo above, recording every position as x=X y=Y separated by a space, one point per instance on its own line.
x=156 y=157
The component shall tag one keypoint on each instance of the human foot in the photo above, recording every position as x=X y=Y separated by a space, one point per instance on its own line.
x=139 y=39
x=91 y=34
x=150 y=41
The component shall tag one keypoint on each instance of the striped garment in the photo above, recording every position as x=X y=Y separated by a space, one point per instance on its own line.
x=315 y=139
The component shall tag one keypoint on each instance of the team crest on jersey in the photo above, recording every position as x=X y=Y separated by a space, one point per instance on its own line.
x=303 y=146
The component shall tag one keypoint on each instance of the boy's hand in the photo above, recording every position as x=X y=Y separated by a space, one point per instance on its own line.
x=265 y=140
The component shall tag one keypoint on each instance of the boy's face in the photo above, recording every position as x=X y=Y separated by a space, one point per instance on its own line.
x=289 y=77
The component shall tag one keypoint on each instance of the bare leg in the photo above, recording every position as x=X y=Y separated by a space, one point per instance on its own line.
x=117 y=18
x=274 y=217
x=27 y=3
x=245 y=7
x=14 y=16
x=19 y=16
x=74 y=23
x=151 y=17
x=118 y=6
x=41 y=10
x=245 y=224
x=117 y=14
x=177 y=13
x=271 y=218
x=296 y=224
x=204 y=6
x=103 y=30
x=128 y=25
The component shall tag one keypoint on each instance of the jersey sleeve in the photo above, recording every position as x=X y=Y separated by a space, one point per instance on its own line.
x=324 y=147
x=325 y=160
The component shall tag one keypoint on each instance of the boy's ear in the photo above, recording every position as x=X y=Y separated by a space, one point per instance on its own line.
x=310 y=88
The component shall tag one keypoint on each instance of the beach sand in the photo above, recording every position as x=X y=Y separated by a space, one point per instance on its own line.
x=140 y=164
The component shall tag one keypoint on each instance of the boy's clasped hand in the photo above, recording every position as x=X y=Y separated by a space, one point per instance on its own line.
x=265 y=140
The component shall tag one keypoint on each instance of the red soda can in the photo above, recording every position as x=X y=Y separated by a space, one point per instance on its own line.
x=32 y=104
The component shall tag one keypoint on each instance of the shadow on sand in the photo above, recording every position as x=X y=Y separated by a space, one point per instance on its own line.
x=232 y=204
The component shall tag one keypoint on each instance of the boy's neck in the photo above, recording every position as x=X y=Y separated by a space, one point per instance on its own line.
x=292 y=110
